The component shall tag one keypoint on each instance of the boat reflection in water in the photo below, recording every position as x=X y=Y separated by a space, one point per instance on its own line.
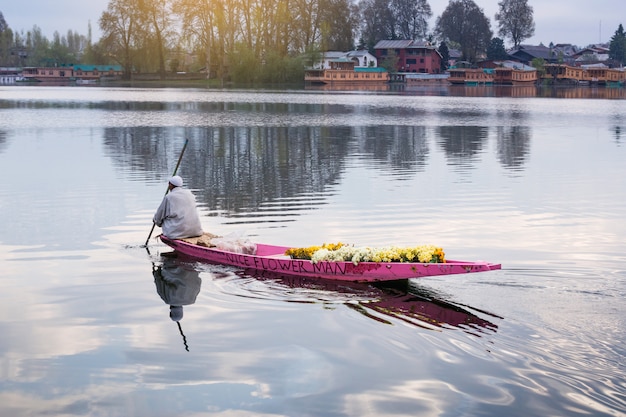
x=419 y=307
x=401 y=300
x=178 y=285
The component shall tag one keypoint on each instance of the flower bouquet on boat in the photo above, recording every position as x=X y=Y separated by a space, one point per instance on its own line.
x=336 y=261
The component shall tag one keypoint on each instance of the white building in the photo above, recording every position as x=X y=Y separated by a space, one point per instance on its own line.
x=361 y=59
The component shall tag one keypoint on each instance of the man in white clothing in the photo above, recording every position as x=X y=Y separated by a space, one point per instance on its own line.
x=177 y=215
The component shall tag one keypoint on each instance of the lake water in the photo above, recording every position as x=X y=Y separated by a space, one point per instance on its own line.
x=537 y=183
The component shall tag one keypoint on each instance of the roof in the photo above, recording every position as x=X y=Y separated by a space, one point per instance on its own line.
x=98 y=67
x=333 y=54
x=566 y=48
x=454 y=53
x=403 y=44
x=536 y=51
x=590 y=66
x=369 y=69
x=358 y=53
x=392 y=44
x=593 y=57
x=597 y=49
x=515 y=65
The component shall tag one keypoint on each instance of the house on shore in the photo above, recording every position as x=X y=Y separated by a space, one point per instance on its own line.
x=526 y=53
x=409 y=56
x=360 y=58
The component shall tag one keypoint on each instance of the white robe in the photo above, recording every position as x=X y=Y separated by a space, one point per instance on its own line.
x=177 y=215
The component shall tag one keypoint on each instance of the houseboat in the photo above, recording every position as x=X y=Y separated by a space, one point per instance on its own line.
x=10 y=75
x=615 y=77
x=470 y=76
x=586 y=74
x=47 y=74
x=85 y=74
x=92 y=74
x=421 y=79
x=515 y=74
x=564 y=73
x=343 y=71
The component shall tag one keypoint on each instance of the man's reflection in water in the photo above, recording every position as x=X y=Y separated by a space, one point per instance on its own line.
x=178 y=285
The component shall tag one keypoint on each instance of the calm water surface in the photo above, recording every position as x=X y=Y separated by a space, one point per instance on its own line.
x=536 y=183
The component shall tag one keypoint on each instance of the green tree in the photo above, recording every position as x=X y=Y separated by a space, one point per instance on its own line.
x=515 y=20
x=617 y=47
x=3 y=23
x=6 y=42
x=66 y=50
x=496 y=49
x=36 y=46
x=390 y=63
x=464 y=23
x=445 y=55
x=540 y=65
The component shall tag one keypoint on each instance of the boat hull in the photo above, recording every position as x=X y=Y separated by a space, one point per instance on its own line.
x=273 y=259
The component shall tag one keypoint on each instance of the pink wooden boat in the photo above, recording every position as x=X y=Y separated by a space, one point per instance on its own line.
x=273 y=259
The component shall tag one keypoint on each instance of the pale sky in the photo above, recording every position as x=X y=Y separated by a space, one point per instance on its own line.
x=560 y=21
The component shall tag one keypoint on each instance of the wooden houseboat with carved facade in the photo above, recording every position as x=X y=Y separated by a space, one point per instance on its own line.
x=470 y=76
x=343 y=71
x=515 y=75
x=586 y=74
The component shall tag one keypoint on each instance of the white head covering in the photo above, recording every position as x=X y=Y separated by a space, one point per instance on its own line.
x=176 y=181
x=176 y=313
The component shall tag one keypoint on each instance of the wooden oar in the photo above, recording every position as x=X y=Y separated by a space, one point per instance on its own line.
x=168 y=187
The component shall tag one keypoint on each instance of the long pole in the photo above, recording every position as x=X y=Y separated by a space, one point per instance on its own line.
x=168 y=188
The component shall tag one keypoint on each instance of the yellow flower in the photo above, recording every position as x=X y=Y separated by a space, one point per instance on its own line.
x=342 y=252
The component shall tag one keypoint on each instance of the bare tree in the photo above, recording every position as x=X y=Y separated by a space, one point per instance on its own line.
x=411 y=18
x=119 y=25
x=156 y=19
x=377 y=22
x=306 y=25
x=211 y=26
x=338 y=22
x=515 y=20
